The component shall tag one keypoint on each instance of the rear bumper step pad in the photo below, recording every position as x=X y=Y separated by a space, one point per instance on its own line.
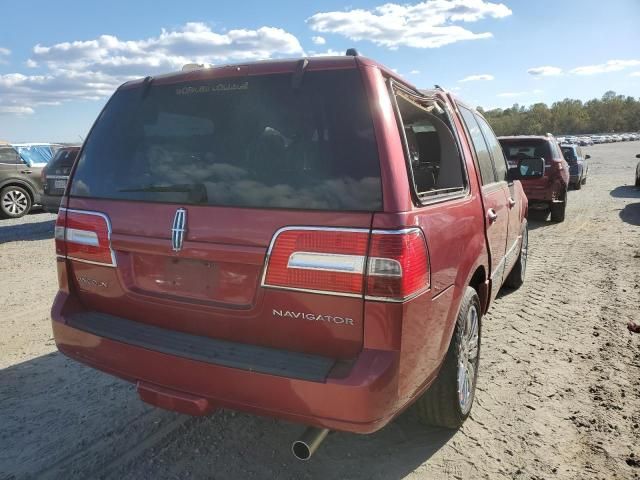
x=253 y=358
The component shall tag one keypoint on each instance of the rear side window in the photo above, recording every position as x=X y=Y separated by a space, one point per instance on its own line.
x=431 y=147
x=256 y=141
x=480 y=146
x=8 y=156
x=499 y=162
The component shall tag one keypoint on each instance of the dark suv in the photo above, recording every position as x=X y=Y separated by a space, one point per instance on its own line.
x=55 y=176
x=550 y=191
x=21 y=168
x=315 y=239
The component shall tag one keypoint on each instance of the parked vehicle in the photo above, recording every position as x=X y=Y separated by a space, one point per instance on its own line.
x=55 y=176
x=20 y=176
x=550 y=191
x=578 y=165
x=302 y=239
x=638 y=172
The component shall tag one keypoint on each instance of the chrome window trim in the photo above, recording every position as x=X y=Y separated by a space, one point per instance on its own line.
x=109 y=231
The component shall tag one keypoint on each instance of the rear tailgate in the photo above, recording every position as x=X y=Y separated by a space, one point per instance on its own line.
x=212 y=286
x=196 y=179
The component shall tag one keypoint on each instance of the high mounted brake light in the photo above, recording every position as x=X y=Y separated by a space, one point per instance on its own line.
x=84 y=236
x=387 y=265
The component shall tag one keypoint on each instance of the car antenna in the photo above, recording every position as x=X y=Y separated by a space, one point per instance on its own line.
x=296 y=79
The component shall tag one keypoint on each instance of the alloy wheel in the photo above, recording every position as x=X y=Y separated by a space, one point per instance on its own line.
x=15 y=202
x=468 y=359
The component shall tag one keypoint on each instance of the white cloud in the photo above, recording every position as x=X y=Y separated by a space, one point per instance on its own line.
x=414 y=72
x=16 y=110
x=318 y=40
x=546 y=71
x=4 y=52
x=634 y=74
x=92 y=69
x=475 y=78
x=328 y=53
x=610 y=66
x=428 y=24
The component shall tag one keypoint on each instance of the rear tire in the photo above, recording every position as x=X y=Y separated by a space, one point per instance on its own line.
x=637 y=181
x=15 y=202
x=578 y=185
x=515 y=279
x=558 y=210
x=448 y=401
x=584 y=181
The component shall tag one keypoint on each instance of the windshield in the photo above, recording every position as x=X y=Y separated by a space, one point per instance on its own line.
x=256 y=141
x=35 y=155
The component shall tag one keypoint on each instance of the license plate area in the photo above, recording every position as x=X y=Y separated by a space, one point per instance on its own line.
x=194 y=279
x=60 y=184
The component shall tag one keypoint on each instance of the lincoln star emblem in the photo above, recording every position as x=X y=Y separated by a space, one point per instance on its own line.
x=178 y=229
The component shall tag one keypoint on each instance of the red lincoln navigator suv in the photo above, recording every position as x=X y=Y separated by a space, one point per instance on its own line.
x=315 y=240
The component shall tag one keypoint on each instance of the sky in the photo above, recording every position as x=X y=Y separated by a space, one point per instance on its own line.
x=60 y=61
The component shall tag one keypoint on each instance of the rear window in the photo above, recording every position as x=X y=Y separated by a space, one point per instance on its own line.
x=517 y=149
x=254 y=141
x=569 y=154
x=63 y=158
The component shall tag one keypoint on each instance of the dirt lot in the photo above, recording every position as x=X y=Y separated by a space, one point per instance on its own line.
x=559 y=387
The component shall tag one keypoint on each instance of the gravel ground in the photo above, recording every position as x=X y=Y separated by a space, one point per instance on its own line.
x=559 y=385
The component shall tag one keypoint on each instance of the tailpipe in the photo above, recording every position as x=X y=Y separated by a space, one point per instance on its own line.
x=308 y=443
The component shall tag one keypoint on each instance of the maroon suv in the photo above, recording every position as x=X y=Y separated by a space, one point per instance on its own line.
x=315 y=240
x=548 y=192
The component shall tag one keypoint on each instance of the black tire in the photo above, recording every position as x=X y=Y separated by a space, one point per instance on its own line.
x=515 y=279
x=558 y=210
x=15 y=202
x=584 y=181
x=637 y=181
x=441 y=404
x=578 y=185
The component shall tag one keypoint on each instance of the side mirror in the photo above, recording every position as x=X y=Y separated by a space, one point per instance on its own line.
x=587 y=157
x=528 y=168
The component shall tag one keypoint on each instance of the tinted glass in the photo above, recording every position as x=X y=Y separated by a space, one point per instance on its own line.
x=516 y=149
x=64 y=157
x=569 y=154
x=254 y=141
x=8 y=155
x=482 y=151
x=497 y=155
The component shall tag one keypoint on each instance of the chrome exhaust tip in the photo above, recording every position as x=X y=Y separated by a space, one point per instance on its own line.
x=305 y=446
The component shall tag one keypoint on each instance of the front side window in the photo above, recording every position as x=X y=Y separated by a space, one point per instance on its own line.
x=487 y=173
x=434 y=157
x=256 y=141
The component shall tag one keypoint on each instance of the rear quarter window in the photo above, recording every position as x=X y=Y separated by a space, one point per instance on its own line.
x=251 y=142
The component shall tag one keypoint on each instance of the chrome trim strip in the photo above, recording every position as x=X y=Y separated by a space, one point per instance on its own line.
x=319 y=292
x=81 y=260
x=397 y=232
x=327 y=262
x=81 y=237
x=109 y=231
x=398 y=300
x=57 y=177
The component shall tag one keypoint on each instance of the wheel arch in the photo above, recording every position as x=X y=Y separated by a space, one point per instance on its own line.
x=12 y=182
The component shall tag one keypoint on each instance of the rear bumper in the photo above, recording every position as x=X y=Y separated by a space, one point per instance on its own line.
x=50 y=203
x=363 y=401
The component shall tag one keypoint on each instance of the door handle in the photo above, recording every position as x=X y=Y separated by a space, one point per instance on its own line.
x=493 y=216
x=26 y=171
x=512 y=202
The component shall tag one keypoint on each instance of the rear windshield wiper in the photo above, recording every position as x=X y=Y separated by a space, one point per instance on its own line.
x=197 y=191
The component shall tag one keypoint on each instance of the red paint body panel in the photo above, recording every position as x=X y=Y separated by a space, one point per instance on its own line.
x=213 y=287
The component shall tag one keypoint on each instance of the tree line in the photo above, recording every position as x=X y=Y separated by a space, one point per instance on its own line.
x=612 y=113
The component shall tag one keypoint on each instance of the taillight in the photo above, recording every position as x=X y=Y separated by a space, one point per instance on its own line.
x=386 y=265
x=398 y=264
x=84 y=236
